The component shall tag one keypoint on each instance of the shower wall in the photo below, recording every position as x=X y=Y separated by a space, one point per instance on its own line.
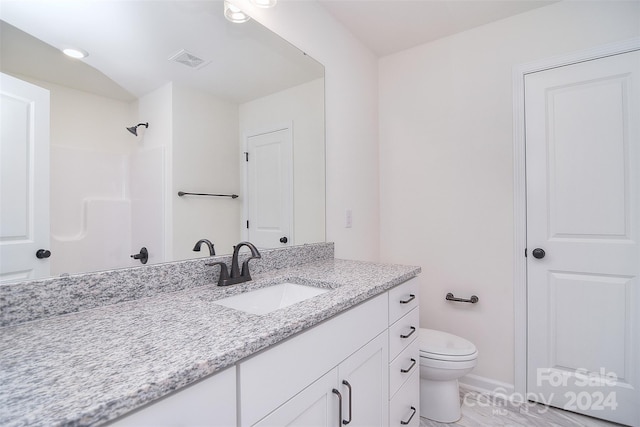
x=90 y=191
x=90 y=217
x=151 y=175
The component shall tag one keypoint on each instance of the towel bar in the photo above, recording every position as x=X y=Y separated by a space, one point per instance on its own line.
x=474 y=299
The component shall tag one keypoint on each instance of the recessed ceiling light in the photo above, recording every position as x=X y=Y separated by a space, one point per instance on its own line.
x=75 y=53
x=264 y=3
x=234 y=14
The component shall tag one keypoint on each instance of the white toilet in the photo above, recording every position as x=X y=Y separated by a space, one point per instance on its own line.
x=443 y=359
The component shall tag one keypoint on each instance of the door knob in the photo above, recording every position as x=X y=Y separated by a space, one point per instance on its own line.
x=43 y=253
x=538 y=253
x=284 y=240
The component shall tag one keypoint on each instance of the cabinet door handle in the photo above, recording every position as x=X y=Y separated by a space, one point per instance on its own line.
x=413 y=329
x=345 y=382
x=404 y=423
x=407 y=301
x=336 y=392
x=413 y=363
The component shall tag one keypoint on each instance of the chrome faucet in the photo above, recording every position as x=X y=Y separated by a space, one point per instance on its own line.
x=199 y=243
x=237 y=275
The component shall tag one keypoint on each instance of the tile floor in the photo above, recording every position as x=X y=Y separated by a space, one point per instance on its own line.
x=481 y=410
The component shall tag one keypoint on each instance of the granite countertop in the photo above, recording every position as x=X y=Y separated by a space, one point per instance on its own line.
x=92 y=366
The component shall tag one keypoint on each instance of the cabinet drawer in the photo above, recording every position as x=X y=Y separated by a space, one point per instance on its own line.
x=402 y=299
x=210 y=402
x=404 y=407
x=403 y=366
x=403 y=332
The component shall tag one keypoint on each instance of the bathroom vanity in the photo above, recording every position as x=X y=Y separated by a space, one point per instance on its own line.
x=346 y=354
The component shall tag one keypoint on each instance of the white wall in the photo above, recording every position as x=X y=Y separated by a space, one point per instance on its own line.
x=206 y=159
x=302 y=105
x=351 y=119
x=446 y=169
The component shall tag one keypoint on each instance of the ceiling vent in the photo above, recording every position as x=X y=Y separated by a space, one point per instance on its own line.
x=188 y=59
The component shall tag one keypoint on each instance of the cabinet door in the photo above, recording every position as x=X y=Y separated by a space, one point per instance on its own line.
x=364 y=384
x=315 y=406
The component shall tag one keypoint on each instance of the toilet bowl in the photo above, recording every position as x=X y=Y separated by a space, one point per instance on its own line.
x=443 y=359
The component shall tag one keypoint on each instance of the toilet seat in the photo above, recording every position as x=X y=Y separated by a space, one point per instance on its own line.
x=438 y=345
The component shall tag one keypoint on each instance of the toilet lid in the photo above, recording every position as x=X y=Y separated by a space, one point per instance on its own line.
x=441 y=343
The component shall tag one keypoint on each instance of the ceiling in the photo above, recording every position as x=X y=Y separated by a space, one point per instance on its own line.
x=130 y=43
x=389 y=26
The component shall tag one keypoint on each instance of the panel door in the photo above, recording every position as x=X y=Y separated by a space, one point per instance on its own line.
x=366 y=391
x=270 y=189
x=24 y=179
x=583 y=211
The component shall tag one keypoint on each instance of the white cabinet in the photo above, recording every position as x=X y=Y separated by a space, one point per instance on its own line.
x=355 y=392
x=209 y=402
x=404 y=355
x=378 y=376
x=276 y=375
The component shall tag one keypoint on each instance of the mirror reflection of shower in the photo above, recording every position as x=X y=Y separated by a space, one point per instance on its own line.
x=114 y=194
x=134 y=129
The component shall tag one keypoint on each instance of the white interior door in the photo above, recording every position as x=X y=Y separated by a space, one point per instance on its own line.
x=24 y=180
x=583 y=210
x=270 y=189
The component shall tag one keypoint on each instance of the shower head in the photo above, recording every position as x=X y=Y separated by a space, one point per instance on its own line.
x=134 y=129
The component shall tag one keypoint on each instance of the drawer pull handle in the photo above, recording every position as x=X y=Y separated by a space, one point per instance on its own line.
x=345 y=382
x=413 y=329
x=413 y=363
x=407 y=301
x=404 y=423
x=336 y=392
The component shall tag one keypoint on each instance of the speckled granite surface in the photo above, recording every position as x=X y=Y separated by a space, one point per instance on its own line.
x=39 y=299
x=88 y=367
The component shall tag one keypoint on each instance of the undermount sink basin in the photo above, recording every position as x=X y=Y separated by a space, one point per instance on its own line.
x=266 y=300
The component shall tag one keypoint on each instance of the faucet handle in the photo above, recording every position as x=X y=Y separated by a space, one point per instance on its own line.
x=245 y=269
x=224 y=272
x=255 y=254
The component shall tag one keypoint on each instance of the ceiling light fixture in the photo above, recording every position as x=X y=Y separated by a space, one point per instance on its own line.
x=264 y=3
x=234 y=14
x=75 y=53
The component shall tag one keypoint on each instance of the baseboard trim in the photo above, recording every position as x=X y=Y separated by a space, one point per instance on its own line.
x=486 y=385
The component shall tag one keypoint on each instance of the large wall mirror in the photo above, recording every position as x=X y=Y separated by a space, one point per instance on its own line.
x=220 y=108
